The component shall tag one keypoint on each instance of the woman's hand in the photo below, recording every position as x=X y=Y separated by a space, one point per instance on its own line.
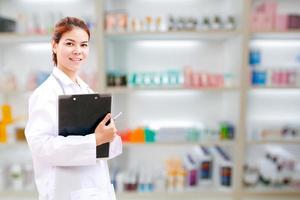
x=105 y=133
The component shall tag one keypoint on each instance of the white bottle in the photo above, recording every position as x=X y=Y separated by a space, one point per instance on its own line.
x=28 y=177
x=160 y=182
x=120 y=182
x=16 y=177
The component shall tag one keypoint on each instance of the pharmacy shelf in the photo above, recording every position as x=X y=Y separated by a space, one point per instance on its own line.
x=275 y=88
x=16 y=38
x=268 y=35
x=130 y=144
x=203 y=143
x=199 y=193
x=136 y=195
x=275 y=141
x=16 y=92
x=11 y=194
x=175 y=88
x=271 y=192
x=12 y=146
x=191 y=35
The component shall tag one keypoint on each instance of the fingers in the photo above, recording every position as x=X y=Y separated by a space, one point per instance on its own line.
x=112 y=124
x=106 y=118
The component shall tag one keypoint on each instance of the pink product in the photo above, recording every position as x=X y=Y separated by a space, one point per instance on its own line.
x=267 y=7
x=281 y=22
x=271 y=10
x=215 y=80
x=264 y=16
x=110 y=22
x=255 y=22
x=261 y=22
x=116 y=21
x=283 y=77
x=188 y=74
x=193 y=79
x=293 y=21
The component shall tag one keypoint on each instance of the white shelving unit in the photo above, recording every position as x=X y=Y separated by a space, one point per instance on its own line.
x=226 y=46
x=226 y=50
x=15 y=38
x=116 y=90
x=176 y=35
x=282 y=109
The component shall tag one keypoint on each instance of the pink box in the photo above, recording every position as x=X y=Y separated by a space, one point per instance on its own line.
x=263 y=22
x=271 y=7
x=196 y=79
x=110 y=22
x=267 y=23
x=271 y=11
x=281 y=22
x=188 y=74
x=254 y=22
x=264 y=16
x=258 y=21
x=261 y=8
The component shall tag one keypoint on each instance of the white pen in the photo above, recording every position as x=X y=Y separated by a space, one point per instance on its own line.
x=117 y=116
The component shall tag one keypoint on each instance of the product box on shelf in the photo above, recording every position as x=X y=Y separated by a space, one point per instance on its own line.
x=16 y=176
x=265 y=17
x=116 y=21
x=223 y=131
x=275 y=168
x=7 y=25
x=191 y=168
x=204 y=160
x=281 y=133
x=274 y=77
x=223 y=167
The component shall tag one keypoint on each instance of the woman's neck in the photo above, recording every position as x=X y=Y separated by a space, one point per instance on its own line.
x=69 y=73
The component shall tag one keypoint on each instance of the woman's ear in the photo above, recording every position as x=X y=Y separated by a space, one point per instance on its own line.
x=54 y=46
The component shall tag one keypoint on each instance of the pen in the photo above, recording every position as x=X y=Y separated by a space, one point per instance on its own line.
x=117 y=116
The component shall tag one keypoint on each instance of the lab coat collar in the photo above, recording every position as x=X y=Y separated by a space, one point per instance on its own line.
x=81 y=83
x=66 y=80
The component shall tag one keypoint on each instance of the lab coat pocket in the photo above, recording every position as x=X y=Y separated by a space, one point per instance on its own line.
x=91 y=194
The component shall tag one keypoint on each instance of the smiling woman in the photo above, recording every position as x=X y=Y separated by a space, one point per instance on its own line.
x=66 y=167
x=70 y=45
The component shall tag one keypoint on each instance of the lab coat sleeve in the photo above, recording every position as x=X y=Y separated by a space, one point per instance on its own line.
x=115 y=147
x=50 y=148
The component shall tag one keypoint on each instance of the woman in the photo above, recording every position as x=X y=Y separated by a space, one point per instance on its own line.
x=66 y=167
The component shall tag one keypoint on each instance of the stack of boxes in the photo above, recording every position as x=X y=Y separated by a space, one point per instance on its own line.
x=265 y=17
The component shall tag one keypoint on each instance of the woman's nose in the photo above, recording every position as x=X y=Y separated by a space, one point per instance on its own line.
x=77 y=50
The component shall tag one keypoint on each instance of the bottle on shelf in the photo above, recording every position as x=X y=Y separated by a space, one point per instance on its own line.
x=251 y=175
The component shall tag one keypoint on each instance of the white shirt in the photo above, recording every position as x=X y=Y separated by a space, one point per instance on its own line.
x=64 y=167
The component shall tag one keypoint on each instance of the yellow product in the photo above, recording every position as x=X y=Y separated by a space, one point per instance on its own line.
x=6 y=114
x=20 y=135
x=3 y=133
x=138 y=136
x=180 y=180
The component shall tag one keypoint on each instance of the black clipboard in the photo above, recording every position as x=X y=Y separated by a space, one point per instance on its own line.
x=81 y=113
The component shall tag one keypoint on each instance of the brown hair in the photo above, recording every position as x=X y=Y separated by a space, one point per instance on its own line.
x=64 y=25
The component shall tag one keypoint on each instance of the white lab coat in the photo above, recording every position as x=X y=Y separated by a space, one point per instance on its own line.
x=65 y=167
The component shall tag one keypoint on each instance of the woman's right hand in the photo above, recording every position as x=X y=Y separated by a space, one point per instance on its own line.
x=105 y=133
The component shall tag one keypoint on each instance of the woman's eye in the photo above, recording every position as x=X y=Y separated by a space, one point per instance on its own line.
x=84 y=45
x=69 y=44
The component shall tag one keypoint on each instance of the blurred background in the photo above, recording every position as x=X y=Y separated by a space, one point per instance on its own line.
x=209 y=90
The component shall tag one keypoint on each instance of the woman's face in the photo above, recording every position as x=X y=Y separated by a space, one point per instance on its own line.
x=71 y=50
